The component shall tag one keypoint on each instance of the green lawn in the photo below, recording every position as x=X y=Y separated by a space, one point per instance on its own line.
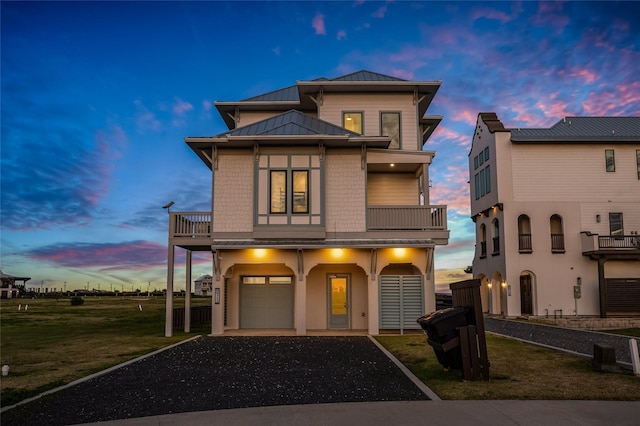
x=518 y=371
x=53 y=343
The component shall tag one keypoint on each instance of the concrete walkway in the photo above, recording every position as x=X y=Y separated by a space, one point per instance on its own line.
x=412 y=413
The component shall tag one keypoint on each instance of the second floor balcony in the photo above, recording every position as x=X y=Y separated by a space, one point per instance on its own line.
x=187 y=227
x=611 y=246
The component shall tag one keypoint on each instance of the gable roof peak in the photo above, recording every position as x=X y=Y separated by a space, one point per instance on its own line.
x=364 y=75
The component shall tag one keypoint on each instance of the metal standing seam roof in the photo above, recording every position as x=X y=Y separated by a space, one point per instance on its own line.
x=287 y=94
x=290 y=123
x=364 y=75
x=290 y=94
x=583 y=129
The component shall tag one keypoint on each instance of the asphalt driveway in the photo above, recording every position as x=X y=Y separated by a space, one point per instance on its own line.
x=214 y=373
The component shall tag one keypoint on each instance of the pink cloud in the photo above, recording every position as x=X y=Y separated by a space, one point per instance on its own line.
x=145 y=119
x=587 y=75
x=622 y=100
x=180 y=107
x=134 y=255
x=318 y=24
x=341 y=35
x=380 y=12
x=488 y=13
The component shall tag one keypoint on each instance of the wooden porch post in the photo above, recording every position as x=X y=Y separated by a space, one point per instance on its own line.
x=168 y=327
x=187 y=296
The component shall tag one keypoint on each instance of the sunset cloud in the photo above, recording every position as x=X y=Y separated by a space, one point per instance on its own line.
x=318 y=24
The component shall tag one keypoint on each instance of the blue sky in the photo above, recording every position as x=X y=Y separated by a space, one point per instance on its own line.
x=97 y=98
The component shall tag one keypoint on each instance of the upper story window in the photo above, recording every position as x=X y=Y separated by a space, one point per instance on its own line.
x=390 y=126
x=281 y=193
x=288 y=189
x=496 y=237
x=610 y=160
x=353 y=121
x=638 y=161
x=482 y=179
x=278 y=191
x=557 y=234
x=616 y=228
x=524 y=234
x=483 y=241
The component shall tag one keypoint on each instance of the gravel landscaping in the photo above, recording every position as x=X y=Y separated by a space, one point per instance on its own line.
x=215 y=373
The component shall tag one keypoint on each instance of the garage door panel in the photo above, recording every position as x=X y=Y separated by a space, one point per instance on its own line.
x=266 y=305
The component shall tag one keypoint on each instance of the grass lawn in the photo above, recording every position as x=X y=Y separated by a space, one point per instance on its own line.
x=53 y=343
x=518 y=371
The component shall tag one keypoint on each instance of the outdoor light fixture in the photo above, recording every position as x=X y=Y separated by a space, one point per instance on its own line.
x=337 y=252
x=399 y=252
x=259 y=253
x=168 y=206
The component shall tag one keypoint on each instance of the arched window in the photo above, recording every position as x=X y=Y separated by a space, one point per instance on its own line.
x=524 y=234
x=557 y=234
x=483 y=241
x=496 y=236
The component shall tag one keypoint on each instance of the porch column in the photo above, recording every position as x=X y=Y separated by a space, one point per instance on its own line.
x=187 y=296
x=168 y=324
x=217 y=297
x=300 y=309
x=373 y=305
x=603 y=288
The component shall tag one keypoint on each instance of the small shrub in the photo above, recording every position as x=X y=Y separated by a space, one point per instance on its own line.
x=77 y=301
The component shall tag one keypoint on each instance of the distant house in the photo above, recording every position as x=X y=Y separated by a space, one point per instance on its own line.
x=9 y=288
x=557 y=216
x=321 y=216
x=203 y=285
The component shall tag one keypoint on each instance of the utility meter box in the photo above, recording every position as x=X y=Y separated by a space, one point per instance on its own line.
x=576 y=292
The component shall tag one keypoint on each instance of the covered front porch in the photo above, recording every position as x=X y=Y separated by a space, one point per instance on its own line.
x=320 y=288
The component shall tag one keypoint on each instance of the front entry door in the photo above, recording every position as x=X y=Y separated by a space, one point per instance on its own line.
x=526 y=296
x=338 y=301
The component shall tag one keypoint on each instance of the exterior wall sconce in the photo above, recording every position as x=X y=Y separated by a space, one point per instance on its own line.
x=489 y=285
x=579 y=280
x=598 y=218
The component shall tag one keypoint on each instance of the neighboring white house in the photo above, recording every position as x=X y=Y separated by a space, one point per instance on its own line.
x=203 y=285
x=557 y=216
x=321 y=216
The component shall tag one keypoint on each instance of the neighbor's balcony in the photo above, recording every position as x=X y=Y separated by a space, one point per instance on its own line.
x=406 y=218
x=594 y=242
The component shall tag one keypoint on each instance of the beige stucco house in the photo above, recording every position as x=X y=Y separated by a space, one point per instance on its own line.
x=321 y=217
x=557 y=216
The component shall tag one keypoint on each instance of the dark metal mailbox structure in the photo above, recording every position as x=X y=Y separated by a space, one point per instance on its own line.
x=441 y=328
x=473 y=341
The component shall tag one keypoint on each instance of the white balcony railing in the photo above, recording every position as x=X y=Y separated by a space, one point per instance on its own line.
x=406 y=218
